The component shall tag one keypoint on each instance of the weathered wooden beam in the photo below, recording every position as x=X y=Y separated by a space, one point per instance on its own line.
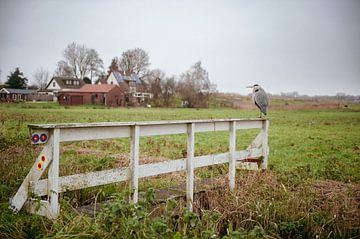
x=256 y=143
x=110 y=130
x=265 y=153
x=53 y=176
x=116 y=124
x=134 y=162
x=94 y=133
x=190 y=166
x=232 y=149
x=38 y=168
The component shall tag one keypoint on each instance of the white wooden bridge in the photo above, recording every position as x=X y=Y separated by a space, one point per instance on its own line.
x=51 y=135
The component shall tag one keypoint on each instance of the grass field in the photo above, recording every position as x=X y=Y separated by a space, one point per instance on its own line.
x=312 y=187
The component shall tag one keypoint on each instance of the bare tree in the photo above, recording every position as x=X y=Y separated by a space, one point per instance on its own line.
x=79 y=61
x=63 y=69
x=195 y=86
x=153 y=80
x=114 y=66
x=135 y=60
x=95 y=63
x=42 y=77
x=168 y=90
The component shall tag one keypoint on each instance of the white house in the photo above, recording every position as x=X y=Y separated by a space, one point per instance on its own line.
x=58 y=83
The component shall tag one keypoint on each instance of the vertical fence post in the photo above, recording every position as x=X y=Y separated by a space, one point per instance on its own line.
x=53 y=176
x=265 y=153
x=190 y=165
x=232 y=148
x=134 y=163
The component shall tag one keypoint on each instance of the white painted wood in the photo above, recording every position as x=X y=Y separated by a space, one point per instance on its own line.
x=78 y=134
x=166 y=129
x=17 y=202
x=232 y=148
x=212 y=126
x=122 y=130
x=134 y=162
x=256 y=143
x=39 y=207
x=190 y=166
x=53 y=176
x=92 y=179
x=242 y=123
x=154 y=169
x=82 y=180
x=248 y=124
x=265 y=154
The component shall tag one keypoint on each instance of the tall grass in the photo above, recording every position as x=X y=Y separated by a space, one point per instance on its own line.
x=310 y=190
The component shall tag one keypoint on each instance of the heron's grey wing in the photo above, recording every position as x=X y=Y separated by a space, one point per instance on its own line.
x=261 y=100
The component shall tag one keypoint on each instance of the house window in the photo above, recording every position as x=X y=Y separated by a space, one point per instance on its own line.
x=14 y=96
x=111 y=82
x=54 y=84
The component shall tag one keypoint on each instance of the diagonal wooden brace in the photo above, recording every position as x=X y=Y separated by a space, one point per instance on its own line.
x=37 y=170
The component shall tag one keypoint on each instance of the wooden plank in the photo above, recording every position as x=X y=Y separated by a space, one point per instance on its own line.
x=212 y=126
x=116 y=124
x=166 y=129
x=134 y=162
x=265 y=145
x=94 y=133
x=190 y=166
x=53 y=177
x=248 y=124
x=17 y=202
x=232 y=146
x=82 y=180
x=256 y=143
x=148 y=170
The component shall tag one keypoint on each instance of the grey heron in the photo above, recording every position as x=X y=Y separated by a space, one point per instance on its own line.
x=260 y=98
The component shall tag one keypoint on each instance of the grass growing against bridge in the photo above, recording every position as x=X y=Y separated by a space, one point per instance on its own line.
x=312 y=187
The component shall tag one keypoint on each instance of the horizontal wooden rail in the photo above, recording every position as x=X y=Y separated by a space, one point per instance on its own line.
x=91 y=179
x=111 y=130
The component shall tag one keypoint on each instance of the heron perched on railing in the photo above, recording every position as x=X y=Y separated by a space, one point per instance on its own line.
x=260 y=99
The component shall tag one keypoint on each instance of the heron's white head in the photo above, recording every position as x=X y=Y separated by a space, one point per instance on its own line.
x=254 y=87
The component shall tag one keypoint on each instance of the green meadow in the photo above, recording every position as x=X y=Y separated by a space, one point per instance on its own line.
x=311 y=188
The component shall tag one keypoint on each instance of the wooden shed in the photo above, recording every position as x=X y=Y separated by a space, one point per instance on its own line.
x=109 y=95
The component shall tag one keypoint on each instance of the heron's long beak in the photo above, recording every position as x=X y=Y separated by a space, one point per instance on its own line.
x=250 y=86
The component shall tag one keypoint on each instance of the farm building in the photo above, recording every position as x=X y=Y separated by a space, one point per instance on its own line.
x=135 y=92
x=57 y=84
x=11 y=95
x=109 y=95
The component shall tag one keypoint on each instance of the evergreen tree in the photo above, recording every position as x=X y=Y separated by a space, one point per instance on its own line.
x=17 y=80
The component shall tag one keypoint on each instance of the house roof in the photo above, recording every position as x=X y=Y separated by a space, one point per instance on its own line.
x=62 y=82
x=123 y=76
x=87 y=88
x=17 y=91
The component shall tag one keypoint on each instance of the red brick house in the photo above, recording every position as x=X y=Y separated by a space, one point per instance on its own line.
x=109 y=95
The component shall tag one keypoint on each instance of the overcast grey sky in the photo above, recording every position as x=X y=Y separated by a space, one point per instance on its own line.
x=312 y=47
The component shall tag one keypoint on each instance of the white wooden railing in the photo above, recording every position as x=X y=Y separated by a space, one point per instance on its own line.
x=51 y=135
